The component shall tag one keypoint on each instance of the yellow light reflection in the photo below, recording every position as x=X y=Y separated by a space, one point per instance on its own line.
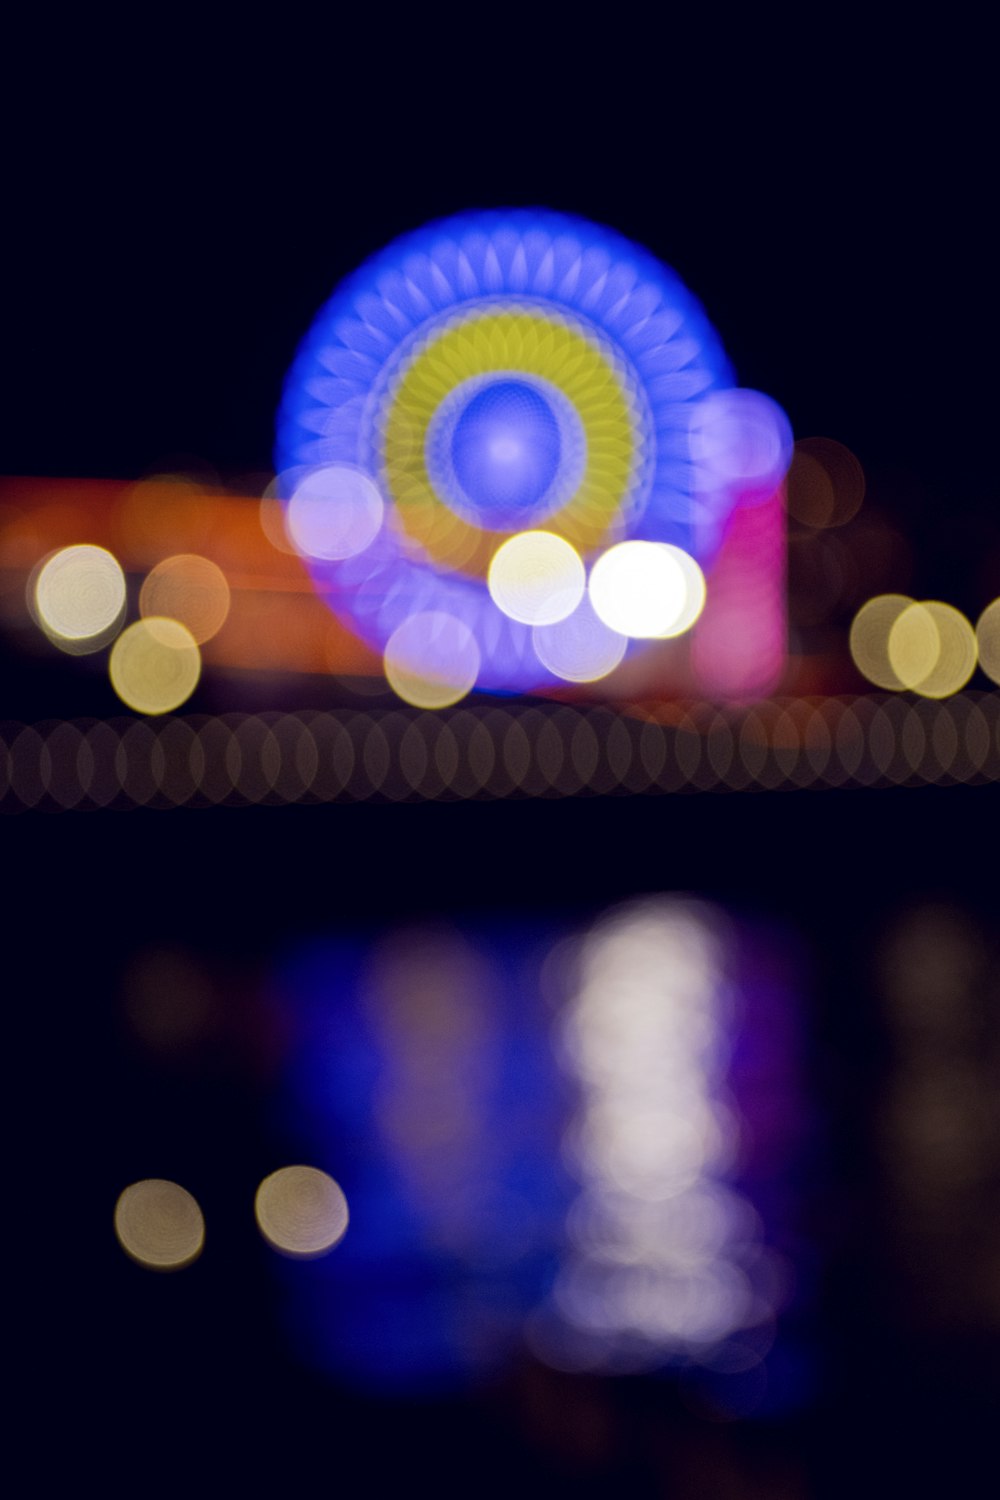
x=914 y=645
x=536 y=578
x=301 y=1211
x=159 y=1224
x=431 y=660
x=869 y=639
x=155 y=665
x=932 y=649
x=988 y=638
x=190 y=589
x=79 y=597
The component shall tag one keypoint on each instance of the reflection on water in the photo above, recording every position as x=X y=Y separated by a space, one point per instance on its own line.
x=574 y=1145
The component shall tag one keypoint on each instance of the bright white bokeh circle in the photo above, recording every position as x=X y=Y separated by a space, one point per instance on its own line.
x=537 y=578
x=647 y=590
x=79 y=592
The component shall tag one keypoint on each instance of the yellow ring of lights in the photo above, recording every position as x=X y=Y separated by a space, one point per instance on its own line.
x=521 y=343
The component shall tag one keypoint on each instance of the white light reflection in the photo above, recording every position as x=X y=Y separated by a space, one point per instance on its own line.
x=664 y=1254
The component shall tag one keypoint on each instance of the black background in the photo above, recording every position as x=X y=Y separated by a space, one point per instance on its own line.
x=179 y=200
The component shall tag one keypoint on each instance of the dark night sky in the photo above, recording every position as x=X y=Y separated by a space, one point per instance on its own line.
x=177 y=212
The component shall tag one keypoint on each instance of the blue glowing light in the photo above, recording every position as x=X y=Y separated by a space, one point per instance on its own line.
x=494 y=373
x=418 y=1079
x=505 y=453
x=514 y=1179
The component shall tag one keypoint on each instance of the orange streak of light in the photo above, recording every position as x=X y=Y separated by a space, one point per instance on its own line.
x=276 y=622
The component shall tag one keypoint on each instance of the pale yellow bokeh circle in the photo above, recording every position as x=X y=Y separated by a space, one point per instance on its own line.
x=932 y=649
x=159 y=1224
x=431 y=660
x=988 y=638
x=914 y=644
x=301 y=1211
x=79 y=593
x=155 y=665
x=190 y=589
x=537 y=578
x=869 y=639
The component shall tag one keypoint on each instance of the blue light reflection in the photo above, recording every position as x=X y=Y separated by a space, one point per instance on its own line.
x=585 y=1148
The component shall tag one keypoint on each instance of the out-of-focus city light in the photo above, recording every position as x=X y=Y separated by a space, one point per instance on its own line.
x=273 y=518
x=927 y=647
x=932 y=649
x=334 y=513
x=988 y=639
x=155 y=665
x=580 y=648
x=740 y=440
x=663 y=1249
x=162 y=514
x=523 y=374
x=914 y=645
x=936 y=1120
x=536 y=578
x=431 y=999
x=480 y=752
x=738 y=646
x=694 y=592
x=79 y=597
x=427 y=1047
x=301 y=1211
x=190 y=589
x=648 y=590
x=159 y=1224
x=432 y=660
x=277 y=622
x=643 y=1242
x=826 y=483
x=506 y=450
x=869 y=639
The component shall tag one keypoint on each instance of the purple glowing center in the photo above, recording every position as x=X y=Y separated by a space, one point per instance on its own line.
x=506 y=450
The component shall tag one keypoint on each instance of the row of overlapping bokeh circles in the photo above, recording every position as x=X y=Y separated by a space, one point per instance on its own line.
x=238 y=758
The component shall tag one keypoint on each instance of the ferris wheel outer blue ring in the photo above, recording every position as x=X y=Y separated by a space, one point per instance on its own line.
x=550 y=264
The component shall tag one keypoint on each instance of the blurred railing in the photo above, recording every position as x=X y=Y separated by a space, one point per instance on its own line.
x=487 y=752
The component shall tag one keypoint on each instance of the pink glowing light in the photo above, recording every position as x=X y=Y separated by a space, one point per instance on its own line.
x=738 y=645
